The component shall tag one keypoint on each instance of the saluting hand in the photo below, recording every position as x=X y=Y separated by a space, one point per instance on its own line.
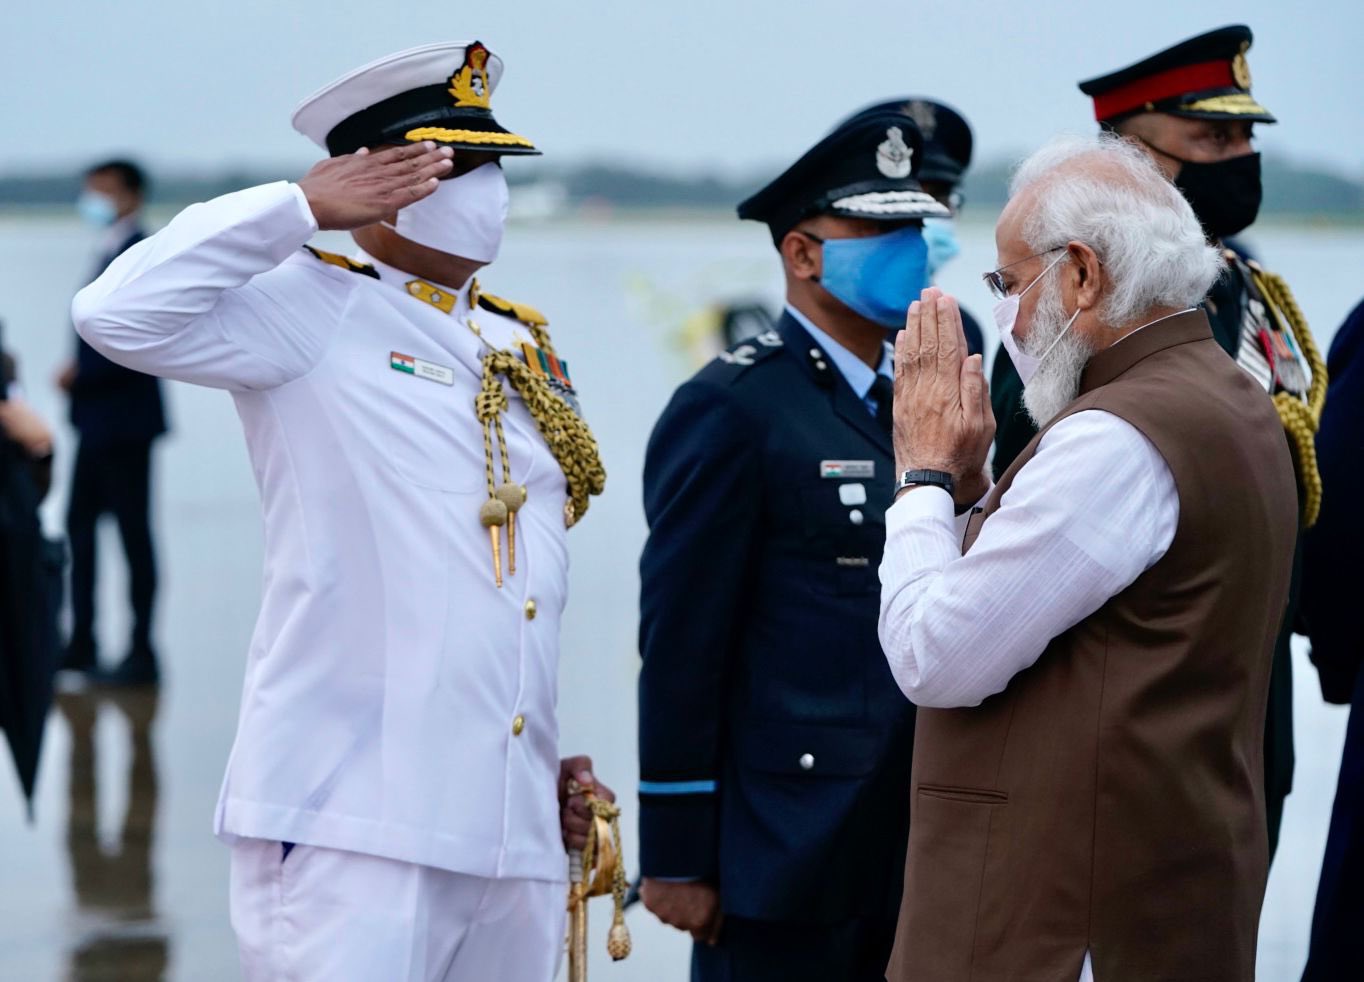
x=362 y=188
x=943 y=418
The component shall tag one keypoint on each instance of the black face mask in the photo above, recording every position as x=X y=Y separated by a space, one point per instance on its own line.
x=1225 y=194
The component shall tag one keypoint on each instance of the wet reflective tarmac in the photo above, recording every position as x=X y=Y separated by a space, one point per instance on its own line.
x=112 y=878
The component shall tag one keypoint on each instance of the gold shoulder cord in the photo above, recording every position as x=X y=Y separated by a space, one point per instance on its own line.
x=566 y=433
x=1300 y=418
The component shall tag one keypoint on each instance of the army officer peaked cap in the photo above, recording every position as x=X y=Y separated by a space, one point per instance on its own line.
x=864 y=168
x=1205 y=77
x=438 y=92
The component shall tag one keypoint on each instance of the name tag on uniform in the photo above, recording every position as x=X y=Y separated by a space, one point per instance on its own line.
x=847 y=468
x=422 y=369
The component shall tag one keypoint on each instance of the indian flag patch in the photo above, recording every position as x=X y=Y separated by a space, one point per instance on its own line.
x=428 y=370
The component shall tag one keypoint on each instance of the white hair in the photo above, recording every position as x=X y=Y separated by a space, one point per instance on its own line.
x=1108 y=194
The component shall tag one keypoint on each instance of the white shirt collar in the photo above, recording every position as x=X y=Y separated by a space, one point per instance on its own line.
x=403 y=281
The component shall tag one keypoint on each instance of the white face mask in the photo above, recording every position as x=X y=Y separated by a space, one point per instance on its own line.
x=465 y=216
x=1006 y=313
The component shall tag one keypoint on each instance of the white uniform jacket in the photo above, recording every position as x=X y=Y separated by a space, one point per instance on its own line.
x=396 y=702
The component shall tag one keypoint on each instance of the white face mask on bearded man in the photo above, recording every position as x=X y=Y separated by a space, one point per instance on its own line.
x=1059 y=355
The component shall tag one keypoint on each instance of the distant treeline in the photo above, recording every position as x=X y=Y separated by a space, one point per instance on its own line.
x=1290 y=189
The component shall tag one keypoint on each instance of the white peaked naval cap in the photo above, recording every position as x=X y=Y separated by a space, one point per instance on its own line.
x=438 y=92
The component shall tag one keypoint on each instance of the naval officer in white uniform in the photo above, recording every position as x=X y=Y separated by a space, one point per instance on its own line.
x=394 y=800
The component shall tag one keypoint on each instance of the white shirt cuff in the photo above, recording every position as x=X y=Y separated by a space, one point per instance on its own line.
x=305 y=212
x=926 y=503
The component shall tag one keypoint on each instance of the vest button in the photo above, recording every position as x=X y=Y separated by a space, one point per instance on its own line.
x=530 y=610
x=856 y=517
x=518 y=725
x=807 y=762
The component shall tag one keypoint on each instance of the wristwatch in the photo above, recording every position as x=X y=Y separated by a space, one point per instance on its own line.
x=912 y=479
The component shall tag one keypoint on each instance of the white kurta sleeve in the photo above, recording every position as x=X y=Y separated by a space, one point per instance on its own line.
x=201 y=300
x=1093 y=509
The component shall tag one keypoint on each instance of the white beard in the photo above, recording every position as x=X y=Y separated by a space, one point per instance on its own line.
x=1057 y=380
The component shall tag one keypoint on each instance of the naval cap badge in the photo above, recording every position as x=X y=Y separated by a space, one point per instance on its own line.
x=894 y=156
x=469 y=85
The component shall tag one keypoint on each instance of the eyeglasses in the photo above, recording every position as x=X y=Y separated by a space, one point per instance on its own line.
x=995 y=278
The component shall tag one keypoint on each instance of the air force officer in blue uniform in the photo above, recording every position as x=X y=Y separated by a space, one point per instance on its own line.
x=774 y=745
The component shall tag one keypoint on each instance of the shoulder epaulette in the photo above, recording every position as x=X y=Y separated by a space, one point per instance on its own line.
x=752 y=350
x=350 y=265
x=510 y=308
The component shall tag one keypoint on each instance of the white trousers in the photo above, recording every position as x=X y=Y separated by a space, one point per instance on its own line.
x=340 y=916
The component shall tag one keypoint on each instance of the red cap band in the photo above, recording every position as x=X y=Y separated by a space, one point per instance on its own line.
x=1163 y=85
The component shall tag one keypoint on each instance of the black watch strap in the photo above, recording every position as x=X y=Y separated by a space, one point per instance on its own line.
x=941 y=479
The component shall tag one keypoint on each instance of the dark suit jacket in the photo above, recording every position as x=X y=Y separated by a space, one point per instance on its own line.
x=109 y=403
x=1331 y=589
x=774 y=743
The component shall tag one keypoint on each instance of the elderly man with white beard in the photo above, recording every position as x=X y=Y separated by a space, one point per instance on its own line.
x=1089 y=640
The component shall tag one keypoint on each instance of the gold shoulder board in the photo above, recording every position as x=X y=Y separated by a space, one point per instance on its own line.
x=350 y=265
x=523 y=312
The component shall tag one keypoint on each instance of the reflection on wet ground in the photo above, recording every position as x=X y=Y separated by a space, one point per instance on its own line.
x=114 y=888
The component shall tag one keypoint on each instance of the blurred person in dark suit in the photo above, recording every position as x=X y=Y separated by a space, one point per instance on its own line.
x=1331 y=587
x=118 y=414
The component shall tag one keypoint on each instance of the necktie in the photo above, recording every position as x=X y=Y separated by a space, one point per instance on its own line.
x=882 y=391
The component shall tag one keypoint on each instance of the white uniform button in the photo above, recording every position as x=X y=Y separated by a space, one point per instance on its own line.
x=519 y=725
x=530 y=610
x=807 y=762
x=855 y=516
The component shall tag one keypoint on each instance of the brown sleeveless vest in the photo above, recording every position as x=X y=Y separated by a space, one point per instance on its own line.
x=1111 y=798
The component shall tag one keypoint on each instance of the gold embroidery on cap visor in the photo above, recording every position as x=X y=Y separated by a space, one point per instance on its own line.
x=477 y=137
x=1240 y=104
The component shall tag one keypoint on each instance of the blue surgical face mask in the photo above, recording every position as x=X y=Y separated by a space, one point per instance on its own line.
x=878 y=276
x=96 y=209
x=943 y=247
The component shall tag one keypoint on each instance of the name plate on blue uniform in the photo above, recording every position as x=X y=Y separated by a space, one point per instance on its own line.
x=847 y=468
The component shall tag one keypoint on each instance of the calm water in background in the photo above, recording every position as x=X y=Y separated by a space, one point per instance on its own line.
x=120 y=878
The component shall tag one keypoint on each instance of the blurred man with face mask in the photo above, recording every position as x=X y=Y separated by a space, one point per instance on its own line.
x=774 y=746
x=118 y=414
x=1190 y=108
x=1089 y=640
x=394 y=801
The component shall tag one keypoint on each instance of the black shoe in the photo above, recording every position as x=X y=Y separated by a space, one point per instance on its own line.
x=139 y=668
x=79 y=656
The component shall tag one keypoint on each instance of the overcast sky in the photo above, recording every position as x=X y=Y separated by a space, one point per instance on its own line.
x=739 y=84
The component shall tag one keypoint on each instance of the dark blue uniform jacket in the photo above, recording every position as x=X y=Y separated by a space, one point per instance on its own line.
x=774 y=743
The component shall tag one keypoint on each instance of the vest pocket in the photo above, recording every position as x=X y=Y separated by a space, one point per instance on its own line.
x=949 y=846
x=981 y=796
